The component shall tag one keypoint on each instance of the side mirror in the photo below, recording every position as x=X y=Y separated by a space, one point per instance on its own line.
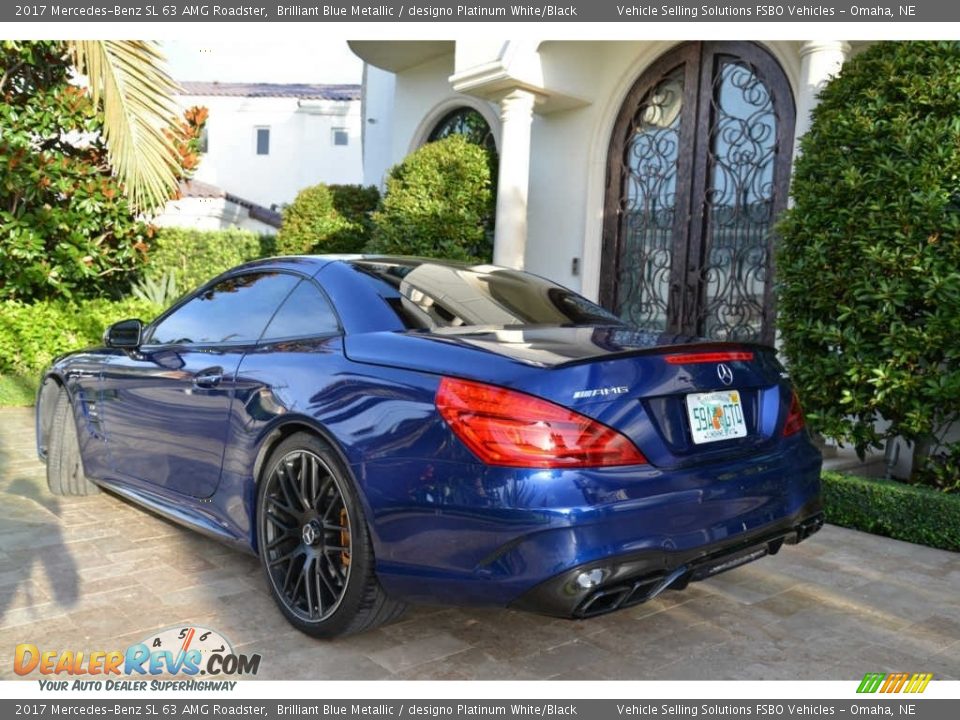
x=123 y=334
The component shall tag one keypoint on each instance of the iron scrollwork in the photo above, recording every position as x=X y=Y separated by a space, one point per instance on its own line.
x=649 y=168
x=740 y=205
x=699 y=170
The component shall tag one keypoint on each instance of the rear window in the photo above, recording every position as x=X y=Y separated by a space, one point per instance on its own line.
x=427 y=295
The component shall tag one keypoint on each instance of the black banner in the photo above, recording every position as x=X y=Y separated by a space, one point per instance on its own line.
x=869 y=11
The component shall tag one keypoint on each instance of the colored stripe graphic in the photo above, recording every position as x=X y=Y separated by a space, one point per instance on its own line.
x=894 y=682
x=871 y=682
x=918 y=683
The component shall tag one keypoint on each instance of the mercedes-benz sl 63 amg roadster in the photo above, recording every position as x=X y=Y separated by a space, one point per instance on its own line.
x=383 y=431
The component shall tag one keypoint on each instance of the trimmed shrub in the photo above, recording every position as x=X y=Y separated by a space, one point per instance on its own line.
x=438 y=203
x=195 y=256
x=869 y=262
x=892 y=509
x=31 y=335
x=356 y=203
x=328 y=219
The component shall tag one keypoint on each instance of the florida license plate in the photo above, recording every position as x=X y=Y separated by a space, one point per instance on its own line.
x=716 y=416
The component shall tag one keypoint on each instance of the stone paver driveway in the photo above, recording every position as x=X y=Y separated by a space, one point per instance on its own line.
x=97 y=573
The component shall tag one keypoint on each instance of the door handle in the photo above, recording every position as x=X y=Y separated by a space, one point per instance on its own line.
x=208 y=378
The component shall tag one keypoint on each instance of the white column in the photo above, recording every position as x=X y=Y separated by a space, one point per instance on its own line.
x=510 y=234
x=820 y=60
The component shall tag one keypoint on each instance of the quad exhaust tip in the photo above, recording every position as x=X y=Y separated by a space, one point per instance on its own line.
x=642 y=589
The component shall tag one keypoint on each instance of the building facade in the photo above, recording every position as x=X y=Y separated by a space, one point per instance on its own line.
x=647 y=175
x=265 y=142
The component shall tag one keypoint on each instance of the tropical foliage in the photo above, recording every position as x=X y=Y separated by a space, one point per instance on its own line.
x=129 y=82
x=68 y=224
x=192 y=257
x=65 y=224
x=32 y=334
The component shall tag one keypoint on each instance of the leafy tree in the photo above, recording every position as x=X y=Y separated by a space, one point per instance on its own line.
x=66 y=225
x=438 y=203
x=869 y=265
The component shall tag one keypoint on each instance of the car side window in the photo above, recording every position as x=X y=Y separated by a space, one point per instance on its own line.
x=305 y=313
x=235 y=310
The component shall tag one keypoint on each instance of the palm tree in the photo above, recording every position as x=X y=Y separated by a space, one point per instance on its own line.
x=139 y=113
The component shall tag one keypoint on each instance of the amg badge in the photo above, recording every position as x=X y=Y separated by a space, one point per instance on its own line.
x=600 y=392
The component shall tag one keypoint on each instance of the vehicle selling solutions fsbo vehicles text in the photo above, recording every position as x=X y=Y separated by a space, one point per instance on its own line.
x=762 y=11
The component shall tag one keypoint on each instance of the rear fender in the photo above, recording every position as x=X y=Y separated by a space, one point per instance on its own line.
x=271 y=436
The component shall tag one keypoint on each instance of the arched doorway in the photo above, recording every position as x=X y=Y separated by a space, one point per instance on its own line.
x=697 y=173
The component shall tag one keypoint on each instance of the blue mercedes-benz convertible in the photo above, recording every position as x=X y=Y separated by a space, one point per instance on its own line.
x=389 y=430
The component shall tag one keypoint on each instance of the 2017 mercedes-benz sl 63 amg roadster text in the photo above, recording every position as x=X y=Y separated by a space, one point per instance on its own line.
x=383 y=431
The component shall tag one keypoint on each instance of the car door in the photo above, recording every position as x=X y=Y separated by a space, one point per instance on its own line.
x=294 y=369
x=165 y=406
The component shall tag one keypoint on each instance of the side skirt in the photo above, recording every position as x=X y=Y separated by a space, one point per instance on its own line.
x=191 y=517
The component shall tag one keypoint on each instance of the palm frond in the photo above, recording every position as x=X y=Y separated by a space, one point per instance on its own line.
x=130 y=77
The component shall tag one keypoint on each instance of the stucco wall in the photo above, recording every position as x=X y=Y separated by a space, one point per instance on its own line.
x=210 y=214
x=302 y=152
x=421 y=96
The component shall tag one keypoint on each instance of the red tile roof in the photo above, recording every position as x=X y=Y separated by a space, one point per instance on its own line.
x=197 y=189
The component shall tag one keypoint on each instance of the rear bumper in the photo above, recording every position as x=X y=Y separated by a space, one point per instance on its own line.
x=631 y=579
x=526 y=533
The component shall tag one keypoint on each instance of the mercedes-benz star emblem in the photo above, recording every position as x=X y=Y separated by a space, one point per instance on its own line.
x=309 y=534
x=725 y=373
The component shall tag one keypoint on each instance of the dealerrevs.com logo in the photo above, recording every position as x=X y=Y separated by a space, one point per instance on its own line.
x=177 y=651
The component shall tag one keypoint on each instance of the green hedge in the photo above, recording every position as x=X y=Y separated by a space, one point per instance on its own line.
x=328 y=219
x=31 y=335
x=893 y=509
x=198 y=255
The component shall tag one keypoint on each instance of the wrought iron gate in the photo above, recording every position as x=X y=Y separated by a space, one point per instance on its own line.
x=698 y=171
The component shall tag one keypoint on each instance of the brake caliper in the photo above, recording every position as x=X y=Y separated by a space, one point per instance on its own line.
x=344 y=538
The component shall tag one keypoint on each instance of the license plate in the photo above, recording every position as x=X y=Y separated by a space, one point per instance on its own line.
x=716 y=416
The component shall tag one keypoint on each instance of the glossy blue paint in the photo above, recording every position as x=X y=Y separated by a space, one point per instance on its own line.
x=444 y=526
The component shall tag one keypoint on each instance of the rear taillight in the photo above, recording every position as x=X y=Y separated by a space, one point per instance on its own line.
x=709 y=357
x=505 y=427
x=794 y=422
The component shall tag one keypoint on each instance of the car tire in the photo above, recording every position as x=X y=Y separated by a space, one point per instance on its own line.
x=65 y=474
x=314 y=543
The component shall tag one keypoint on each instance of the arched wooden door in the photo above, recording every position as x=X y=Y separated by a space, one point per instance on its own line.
x=698 y=172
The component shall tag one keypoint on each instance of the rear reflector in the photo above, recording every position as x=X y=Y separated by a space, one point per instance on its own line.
x=513 y=429
x=709 y=357
x=794 y=422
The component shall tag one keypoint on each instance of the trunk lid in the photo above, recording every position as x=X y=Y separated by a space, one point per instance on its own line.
x=635 y=382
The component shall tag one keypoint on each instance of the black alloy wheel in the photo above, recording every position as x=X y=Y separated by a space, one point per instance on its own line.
x=306 y=549
x=314 y=543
